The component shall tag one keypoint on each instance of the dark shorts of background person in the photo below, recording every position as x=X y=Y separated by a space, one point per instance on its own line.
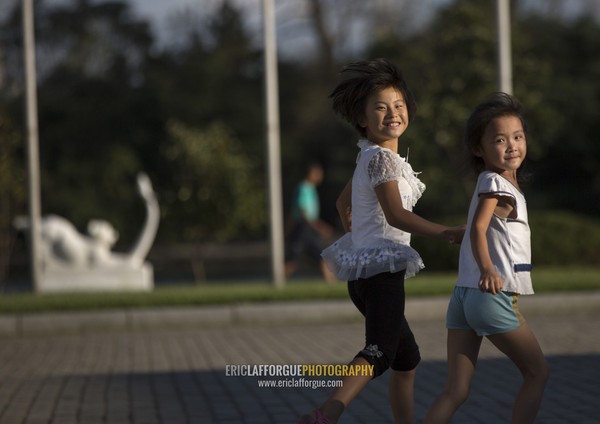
x=303 y=240
x=389 y=339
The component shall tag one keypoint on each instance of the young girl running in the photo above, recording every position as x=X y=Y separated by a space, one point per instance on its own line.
x=376 y=255
x=494 y=266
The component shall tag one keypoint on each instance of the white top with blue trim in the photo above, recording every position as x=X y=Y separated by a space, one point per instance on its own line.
x=509 y=239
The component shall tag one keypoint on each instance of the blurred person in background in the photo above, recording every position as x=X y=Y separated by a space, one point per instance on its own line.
x=306 y=231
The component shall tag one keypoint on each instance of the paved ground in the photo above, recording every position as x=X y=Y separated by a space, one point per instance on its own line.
x=179 y=375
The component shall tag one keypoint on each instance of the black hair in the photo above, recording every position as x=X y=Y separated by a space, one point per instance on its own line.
x=362 y=79
x=497 y=105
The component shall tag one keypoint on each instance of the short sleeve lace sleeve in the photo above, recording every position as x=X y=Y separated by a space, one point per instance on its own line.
x=384 y=167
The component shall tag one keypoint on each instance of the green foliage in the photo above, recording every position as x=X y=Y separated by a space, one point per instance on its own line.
x=111 y=104
x=214 y=187
x=102 y=39
x=215 y=77
x=558 y=81
x=90 y=133
x=564 y=238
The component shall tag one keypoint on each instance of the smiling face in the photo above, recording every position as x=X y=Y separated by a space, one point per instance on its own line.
x=503 y=146
x=386 y=117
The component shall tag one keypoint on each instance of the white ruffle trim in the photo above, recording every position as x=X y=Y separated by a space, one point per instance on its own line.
x=413 y=180
x=399 y=167
x=350 y=263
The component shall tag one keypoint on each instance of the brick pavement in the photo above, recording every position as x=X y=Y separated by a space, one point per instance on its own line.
x=178 y=376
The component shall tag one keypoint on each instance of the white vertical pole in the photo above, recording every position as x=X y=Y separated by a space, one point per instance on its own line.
x=33 y=163
x=273 y=141
x=504 y=46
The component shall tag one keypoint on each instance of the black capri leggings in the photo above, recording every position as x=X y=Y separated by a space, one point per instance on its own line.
x=389 y=340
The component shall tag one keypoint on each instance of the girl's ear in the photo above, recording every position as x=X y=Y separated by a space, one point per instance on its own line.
x=477 y=151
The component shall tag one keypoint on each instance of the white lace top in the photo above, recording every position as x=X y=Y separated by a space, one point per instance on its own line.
x=374 y=246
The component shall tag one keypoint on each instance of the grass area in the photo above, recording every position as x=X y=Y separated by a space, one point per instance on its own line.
x=424 y=284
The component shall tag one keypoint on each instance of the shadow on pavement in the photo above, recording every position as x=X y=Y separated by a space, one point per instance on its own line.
x=572 y=396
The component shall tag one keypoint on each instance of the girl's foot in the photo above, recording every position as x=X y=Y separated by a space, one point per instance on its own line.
x=315 y=417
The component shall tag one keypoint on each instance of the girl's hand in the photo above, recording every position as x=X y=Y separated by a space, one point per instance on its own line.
x=454 y=234
x=349 y=218
x=343 y=204
x=490 y=282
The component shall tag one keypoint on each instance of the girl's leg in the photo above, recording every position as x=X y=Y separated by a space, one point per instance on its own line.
x=522 y=348
x=402 y=380
x=463 y=349
x=381 y=300
x=341 y=397
x=401 y=393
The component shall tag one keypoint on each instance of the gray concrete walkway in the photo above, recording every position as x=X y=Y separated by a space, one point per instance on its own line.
x=175 y=372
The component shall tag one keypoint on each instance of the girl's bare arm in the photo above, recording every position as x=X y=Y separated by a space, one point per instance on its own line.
x=490 y=281
x=395 y=214
x=344 y=206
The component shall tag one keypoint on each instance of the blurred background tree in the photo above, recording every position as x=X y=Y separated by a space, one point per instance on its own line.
x=213 y=186
x=114 y=101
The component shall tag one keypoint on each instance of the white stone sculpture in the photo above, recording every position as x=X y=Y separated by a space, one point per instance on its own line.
x=72 y=261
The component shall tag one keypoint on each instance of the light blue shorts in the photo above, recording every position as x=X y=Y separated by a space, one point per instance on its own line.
x=484 y=313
